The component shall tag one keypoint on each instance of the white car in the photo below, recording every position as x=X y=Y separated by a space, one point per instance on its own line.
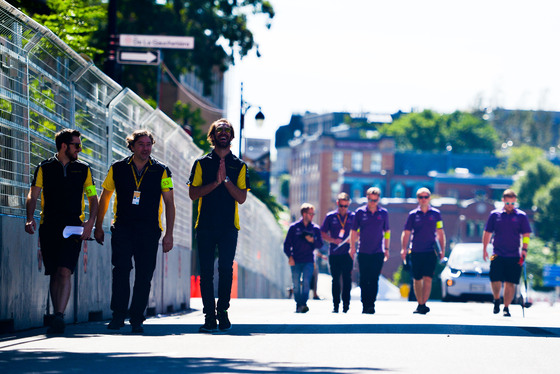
x=466 y=274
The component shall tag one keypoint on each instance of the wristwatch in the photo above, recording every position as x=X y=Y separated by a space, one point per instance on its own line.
x=227 y=179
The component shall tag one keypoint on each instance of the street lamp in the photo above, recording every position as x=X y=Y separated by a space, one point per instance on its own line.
x=245 y=106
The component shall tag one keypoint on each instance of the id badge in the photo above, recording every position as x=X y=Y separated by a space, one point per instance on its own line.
x=136 y=198
x=341 y=233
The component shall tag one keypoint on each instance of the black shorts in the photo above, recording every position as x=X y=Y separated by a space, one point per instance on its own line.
x=423 y=264
x=57 y=251
x=505 y=269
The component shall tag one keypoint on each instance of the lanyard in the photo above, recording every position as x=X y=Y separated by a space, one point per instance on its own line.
x=342 y=223
x=138 y=183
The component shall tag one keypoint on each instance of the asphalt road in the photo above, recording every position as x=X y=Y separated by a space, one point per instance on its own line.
x=267 y=336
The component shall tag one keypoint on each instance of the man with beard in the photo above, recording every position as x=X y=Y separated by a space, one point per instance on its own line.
x=220 y=181
x=61 y=182
x=140 y=183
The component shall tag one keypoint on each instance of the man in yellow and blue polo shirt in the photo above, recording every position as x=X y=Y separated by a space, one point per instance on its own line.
x=61 y=182
x=220 y=180
x=140 y=184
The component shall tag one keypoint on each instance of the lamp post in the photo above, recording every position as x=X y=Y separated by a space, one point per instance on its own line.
x=245 y=106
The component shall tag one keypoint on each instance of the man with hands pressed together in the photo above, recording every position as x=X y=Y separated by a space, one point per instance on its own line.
x=510 y=226
x=140 y=183
x=220 y=181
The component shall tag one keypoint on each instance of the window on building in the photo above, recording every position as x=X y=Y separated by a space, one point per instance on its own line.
x=399 y=191
x=357 y=161
x=337 y=160
x=375 y=165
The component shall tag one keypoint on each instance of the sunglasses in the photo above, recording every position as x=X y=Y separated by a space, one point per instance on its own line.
x=222 y=129
x=508 y=203
x=373 y=200
x=77 y=145
x=343 y=206
x=424 y=196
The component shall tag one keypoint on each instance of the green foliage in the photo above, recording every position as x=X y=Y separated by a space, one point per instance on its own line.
x=219 y=28
x=516 y=160
x=539 y=254
x=261 y=192
x=547 y=216
x=74 y=22
x=429 y=131
x=536 y=176
x=533 y=128
x=184 y=115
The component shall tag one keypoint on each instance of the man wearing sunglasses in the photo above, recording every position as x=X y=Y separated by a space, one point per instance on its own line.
x=511 y=228
x=220 y=181
x=371 y=228
x=336 y=231
x=425 y=226
x=61 y=181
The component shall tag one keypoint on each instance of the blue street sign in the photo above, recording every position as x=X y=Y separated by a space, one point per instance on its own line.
x=551 y=275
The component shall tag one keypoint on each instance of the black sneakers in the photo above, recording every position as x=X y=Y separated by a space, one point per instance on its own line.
x=210 y=324
x=137 y=328
x=421 y=309
x=116 y=323
x=496 y=306
x=223 y=319
x=345 y=308
x=335 y=309
x=57 y=324
x=506 y=312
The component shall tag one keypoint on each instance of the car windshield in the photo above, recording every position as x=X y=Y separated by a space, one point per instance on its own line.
x=466 y=254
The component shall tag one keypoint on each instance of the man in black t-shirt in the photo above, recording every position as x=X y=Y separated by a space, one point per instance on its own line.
x=220 y=181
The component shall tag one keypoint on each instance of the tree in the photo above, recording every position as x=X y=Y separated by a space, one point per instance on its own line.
x=536 y=176
x=192 y=122
x=430 y=131
x=515 y=159
x=74 y=22
x=219 y=28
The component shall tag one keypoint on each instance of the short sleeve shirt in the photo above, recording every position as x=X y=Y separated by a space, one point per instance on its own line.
x=138 y=194
x=218 y=209
x=372 y=227
x=62 y=190
x=338 y=227
x=507 y=229
x=423 y=227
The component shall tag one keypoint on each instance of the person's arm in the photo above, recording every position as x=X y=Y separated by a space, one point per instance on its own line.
x=486 y=236
x=405 y=238
x=525 y=244
x=288 y=247
x=30 y=205
x=387 y=243
x=88 y=225
x=196 y=189
x=104 y=200
x=240 y=195
x=354 y=237
x=168 y=200
x=441 y=239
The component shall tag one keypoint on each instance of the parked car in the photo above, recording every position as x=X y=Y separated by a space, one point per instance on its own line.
x=466 y=274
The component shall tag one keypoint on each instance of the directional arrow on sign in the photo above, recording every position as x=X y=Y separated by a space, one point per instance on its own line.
x=138 y=58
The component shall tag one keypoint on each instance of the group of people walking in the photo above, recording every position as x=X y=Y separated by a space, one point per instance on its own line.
x=366 y=232
x=219 y=181
x=142 y=185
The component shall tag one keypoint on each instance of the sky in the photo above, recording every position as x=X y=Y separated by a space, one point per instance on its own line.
x=383 y=56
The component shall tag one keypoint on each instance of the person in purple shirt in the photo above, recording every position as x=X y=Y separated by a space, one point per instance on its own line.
x=336 y=231
x=509 y=225
x=303 y=238
x=371 y=228
x=425 y=226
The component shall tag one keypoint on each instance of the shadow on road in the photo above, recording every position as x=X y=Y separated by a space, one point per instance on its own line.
x=58 y=362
